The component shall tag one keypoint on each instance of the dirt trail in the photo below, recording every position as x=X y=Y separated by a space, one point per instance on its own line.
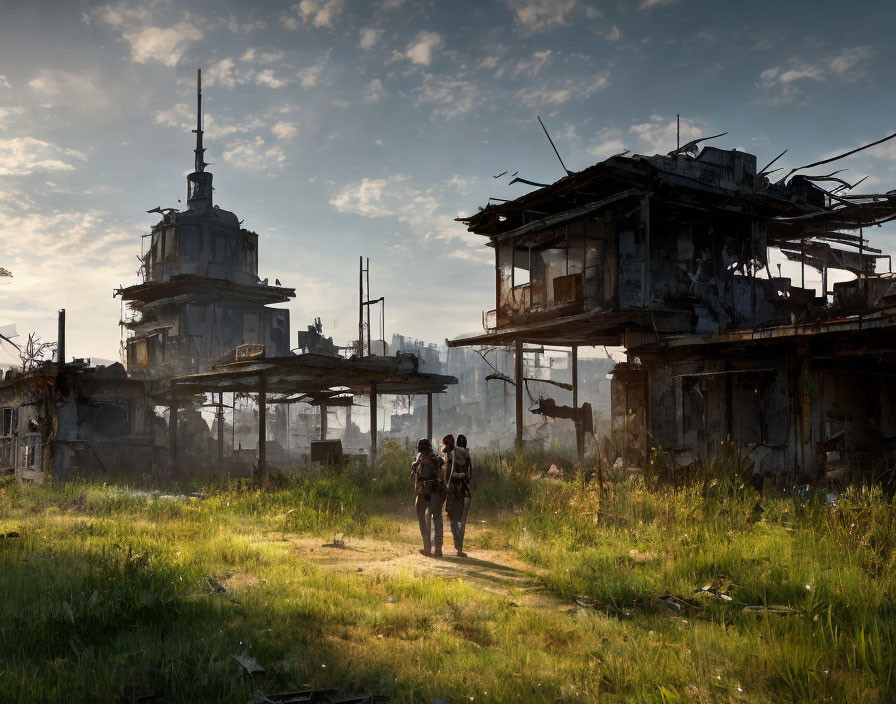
x=498 y=572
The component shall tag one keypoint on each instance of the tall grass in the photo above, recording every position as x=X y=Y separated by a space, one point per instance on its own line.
x=112 y=594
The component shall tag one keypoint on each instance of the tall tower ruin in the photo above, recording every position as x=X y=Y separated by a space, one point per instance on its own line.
x=200 y=297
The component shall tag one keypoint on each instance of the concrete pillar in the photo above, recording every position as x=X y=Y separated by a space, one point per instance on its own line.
x=518 y=378
x=262 y=429
x=372 y=457
x=323 y=421
x=580 y=433
x=172 y=432
x=429 y=416
x=221 y=434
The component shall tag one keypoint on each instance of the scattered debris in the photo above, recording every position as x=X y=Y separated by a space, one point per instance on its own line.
x=776 y=609
x=678 y=605
x=719 y=588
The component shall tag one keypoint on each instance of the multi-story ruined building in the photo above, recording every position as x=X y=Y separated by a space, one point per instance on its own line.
x=668 y=256
x=201 y=296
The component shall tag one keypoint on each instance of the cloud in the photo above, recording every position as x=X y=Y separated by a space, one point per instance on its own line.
x=4 y=83
x=609 y=142
x=284 y=130
x=21 y=156
x=650 y=4
x=533 y=16
x=563 y=91
x=369 y=37
x=183 y=117
x=228 y=73
x=266 y=77
x=533 y=65
x=255 y=155
x=421 y=49
x=310 y=76
x=78 y=269
x=166 y=45
x=449 y=96
x=80 y=91
x=614 y=34
x=786 y=79
x=314 y=13
x=7 y=113
x=374 y=92
x=658 y=136
x=422 y=209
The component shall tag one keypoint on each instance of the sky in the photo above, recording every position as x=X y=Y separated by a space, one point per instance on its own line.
x=341 y=128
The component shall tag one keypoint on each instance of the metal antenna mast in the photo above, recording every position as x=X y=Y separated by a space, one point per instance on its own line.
x=200 y=151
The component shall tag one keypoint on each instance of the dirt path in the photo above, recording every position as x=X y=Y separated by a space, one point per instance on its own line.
x=499 y=572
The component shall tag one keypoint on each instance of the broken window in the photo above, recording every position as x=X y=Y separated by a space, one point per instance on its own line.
x=112 y=419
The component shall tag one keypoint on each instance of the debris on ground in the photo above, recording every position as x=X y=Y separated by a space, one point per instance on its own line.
x=720 y=588
x=323 y=696
x=249 y=664
x=11 y=534
x=554 y=472
x=678 y=605
x=770 y=609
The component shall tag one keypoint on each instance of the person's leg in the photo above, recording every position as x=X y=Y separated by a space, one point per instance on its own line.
x=462 y=528
x=454 y=508
x=436 y=502
x=422 y=506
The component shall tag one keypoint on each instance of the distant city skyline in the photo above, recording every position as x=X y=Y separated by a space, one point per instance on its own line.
x=339 y=129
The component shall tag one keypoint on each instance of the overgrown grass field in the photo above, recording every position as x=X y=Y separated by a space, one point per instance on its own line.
x=110 y=594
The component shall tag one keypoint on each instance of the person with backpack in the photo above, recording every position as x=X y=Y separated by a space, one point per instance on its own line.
x=429 y=480
x=459 y=468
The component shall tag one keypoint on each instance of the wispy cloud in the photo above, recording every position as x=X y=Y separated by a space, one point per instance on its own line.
x=21 y=156
x=558 y=92
x=313 y=13
x=255 y=155
x=369 y=37
x=150 y=41
x=786 y=79
x=533 y=16
x=421 y=49
x=449 y=97
x=421 y=209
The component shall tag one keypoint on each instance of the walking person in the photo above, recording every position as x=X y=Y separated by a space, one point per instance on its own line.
x=459 y=471
x=428 y=471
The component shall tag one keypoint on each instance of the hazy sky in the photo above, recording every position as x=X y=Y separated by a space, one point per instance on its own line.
x=339 y=128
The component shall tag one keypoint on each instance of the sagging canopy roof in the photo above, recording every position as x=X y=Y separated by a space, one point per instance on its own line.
x=313 y=375
x=798 y=208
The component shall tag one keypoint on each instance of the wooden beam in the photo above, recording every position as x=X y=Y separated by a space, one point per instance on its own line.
x=372 y=457
x=262 y=429
x=518 y=378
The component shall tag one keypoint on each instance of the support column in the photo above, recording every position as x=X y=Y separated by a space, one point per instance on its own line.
x=580 y=432
x=323 y=421
x=262 y=429
x=221 y=434
x=172 y=433
x=429 y=417
x=372 y=457
x=518 y=378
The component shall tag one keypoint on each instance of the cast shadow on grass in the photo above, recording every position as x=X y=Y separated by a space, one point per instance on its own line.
x=94 y=625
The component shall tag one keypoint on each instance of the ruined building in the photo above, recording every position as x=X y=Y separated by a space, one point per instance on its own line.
x=200 y=297
x=669 y=256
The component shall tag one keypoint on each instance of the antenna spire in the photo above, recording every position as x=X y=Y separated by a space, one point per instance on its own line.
x=200 y=151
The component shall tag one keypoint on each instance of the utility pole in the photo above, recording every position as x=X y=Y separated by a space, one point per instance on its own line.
x=366 y=303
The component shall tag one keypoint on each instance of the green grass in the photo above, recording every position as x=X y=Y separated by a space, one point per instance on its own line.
x=109 y=593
